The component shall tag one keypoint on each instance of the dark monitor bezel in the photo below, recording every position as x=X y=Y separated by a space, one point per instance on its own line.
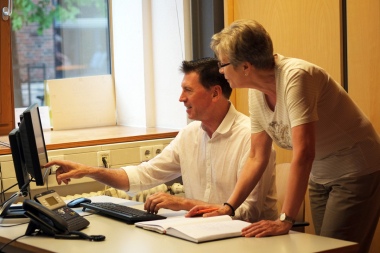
x=29 y=144
x=22 y=175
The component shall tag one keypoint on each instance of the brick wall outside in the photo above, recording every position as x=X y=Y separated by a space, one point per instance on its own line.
x=35 y=49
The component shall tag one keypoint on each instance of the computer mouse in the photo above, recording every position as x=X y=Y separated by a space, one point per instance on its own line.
x=77 y=202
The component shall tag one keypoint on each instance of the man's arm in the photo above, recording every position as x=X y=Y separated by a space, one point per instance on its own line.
x=116 y=178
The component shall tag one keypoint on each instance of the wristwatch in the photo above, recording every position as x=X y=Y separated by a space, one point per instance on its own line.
x=285 y=218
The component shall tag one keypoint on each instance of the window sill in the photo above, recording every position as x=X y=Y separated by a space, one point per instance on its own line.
x=97 y=136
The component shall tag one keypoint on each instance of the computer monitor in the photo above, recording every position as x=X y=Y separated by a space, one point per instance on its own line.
x=22 y=175
x=29 y=157
x=33 y=144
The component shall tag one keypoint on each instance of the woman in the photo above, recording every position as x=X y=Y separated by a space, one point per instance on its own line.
x=299 y=106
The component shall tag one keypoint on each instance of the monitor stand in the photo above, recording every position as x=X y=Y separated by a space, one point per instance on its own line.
x=10 y=214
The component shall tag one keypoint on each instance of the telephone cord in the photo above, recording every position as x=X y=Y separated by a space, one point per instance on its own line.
x=1 y=249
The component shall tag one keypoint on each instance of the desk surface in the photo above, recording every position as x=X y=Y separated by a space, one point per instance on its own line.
x=121 y=237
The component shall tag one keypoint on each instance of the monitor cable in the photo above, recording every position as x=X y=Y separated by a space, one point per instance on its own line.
x=3 y=192
x=14 y=225
x=2 y=195
x=6 y=144
x=7 y=204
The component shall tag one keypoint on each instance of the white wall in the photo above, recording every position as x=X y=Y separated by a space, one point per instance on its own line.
x=150 y=40
x=128 y=62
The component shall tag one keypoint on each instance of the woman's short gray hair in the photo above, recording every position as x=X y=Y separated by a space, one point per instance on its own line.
x=245 y=41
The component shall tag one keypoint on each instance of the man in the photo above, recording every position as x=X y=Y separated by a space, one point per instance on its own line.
x=209 y=153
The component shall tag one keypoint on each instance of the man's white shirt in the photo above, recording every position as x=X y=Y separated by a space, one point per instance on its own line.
x=210 y=167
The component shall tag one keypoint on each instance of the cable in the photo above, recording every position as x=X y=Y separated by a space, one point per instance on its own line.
x=1 y=249
x=105 y=162
x=1 y=226
x=8 y=188
x=47 y=183
x=80 y=235
x=2 y=196
x=5 y=144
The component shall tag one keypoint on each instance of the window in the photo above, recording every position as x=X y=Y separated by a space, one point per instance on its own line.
x=79 y=46
x=70 y=39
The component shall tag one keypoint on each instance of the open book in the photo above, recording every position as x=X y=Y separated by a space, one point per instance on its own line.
x=197 y=229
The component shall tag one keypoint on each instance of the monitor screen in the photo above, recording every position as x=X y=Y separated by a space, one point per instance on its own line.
x=33 y=144
x=22 y=175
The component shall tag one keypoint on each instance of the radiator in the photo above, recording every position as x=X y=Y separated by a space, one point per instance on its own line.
x=175 y=189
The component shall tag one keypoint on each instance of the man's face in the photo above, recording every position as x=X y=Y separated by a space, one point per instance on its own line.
x=195 y=97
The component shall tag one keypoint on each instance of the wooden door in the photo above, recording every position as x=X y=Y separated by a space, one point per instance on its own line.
x=363 y=55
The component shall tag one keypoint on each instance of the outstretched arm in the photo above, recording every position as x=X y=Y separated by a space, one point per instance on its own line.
x=116 y=178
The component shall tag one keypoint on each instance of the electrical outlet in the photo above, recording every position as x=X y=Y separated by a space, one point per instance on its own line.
x=146 y=153
x=52 y=158
x=107 y=156
x=157 y=149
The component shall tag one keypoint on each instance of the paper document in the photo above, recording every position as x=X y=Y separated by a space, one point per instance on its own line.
x=82 y=102
x=197 y=229
x=208 y=231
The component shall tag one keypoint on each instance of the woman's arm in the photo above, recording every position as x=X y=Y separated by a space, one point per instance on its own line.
x=303 y=137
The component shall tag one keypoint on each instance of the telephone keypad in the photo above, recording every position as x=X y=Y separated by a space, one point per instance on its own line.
x=73 y=219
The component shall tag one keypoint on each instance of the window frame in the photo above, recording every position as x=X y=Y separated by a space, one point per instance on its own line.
x=7 y=117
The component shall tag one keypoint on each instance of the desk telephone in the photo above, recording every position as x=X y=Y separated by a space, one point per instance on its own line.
x=53 y=217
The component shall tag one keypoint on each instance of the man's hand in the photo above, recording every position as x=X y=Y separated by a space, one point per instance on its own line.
x=163 y=200
x=68 y=170
x=266 y=228
x=223 y=210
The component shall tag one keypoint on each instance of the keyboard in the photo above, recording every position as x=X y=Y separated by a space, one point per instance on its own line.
x=127 y=214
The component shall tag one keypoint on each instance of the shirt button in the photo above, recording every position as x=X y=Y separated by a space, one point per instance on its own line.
x=208 y=164
x=208 y=186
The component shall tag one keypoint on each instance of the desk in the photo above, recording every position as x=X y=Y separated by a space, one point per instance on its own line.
x=121 y=237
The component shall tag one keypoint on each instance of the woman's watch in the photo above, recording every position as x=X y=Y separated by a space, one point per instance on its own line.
x=285 y=218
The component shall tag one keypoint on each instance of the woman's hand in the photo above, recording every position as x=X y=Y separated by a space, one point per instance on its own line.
x=266 y=228
x=221 y=211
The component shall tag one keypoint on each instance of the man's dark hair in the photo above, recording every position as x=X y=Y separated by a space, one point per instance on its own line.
x=209 y=76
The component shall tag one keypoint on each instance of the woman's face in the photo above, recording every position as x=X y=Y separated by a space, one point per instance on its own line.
x=235 y=77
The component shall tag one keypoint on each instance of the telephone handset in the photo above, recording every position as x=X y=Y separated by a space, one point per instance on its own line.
x=46 y=220
x=53 y=217
x=52 y=224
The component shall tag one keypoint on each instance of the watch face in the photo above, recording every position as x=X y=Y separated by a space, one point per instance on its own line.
x=282 y=217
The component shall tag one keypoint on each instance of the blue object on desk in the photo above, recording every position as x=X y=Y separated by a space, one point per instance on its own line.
x=76 y=202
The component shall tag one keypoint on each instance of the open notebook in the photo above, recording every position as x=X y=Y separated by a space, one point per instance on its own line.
x=197 y=229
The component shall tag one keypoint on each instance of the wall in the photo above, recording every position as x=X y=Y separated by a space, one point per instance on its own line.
x=150 y=40
x=363 y=51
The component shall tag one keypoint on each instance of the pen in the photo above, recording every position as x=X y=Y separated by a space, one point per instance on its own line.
x=207 y=210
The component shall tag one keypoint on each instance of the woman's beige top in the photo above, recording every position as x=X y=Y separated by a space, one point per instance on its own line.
x=346 y=142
